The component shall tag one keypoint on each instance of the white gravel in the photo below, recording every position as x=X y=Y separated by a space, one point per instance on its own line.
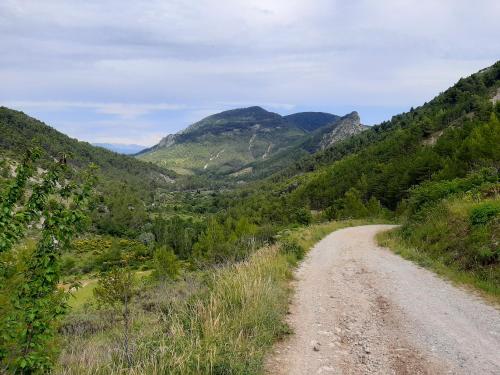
x=360 y=309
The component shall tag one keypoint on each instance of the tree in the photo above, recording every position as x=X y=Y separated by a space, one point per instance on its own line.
x=166 y=265
x=353 y=206
x=212 y=245
x=115 y=289
x=35 y=300
x=374 y=207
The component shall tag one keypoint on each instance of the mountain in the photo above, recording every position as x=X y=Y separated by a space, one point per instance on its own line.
x=20 y=132
x=126 y=149
x=319 y=138
x=232 y=142
x=310 y=121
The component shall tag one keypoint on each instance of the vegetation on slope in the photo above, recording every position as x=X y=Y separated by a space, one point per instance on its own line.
x=453 y=227
x=126 y=186
x=20 y=132
x=225 y=142
x=233 y=143
x=436 y=166
x=387 y=169
x=423 y=158
x=31 y=301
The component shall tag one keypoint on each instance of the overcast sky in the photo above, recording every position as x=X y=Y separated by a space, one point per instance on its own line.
x=133 y=71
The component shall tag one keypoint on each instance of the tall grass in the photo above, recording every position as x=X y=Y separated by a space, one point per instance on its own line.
x=229 y=330
x=222 y=321
x=225 y=329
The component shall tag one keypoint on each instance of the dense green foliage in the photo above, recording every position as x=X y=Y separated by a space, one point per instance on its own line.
x=456 y=224
x=453 y=135
x=28 y=286
x=458 y=236
x=20 y=132
x=166 y=264
x=100 y=254
x=311 y=121
x=125 y=184
x=461 y=233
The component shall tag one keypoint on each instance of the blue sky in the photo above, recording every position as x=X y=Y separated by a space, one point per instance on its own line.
x=132 y=72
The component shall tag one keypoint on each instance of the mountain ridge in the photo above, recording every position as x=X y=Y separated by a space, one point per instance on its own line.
x=121 y=148
x=228 y=142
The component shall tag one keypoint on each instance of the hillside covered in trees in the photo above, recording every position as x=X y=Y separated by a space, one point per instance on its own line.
x=438 y=162
x=20 y=132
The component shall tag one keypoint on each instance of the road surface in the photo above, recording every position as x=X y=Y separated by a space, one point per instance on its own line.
x=360 y=309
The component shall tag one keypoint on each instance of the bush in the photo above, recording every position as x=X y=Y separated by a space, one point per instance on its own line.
x=429 y=193
x=225 y=320
x=290 y=246
x=303 y=216
x=484 y=213
x=460 y=234
x=166 y=265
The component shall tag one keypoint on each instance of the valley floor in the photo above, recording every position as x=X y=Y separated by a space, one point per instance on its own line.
x=360 y=309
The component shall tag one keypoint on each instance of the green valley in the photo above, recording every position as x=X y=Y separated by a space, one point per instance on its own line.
x=188 y=272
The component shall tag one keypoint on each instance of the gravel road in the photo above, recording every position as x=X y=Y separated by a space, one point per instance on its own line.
x=360 y=309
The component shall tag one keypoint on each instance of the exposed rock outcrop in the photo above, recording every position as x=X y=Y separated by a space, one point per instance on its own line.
x=167 y=141
x=347 y=126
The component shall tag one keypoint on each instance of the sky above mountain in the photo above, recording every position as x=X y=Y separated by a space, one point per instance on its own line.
x=131 y=72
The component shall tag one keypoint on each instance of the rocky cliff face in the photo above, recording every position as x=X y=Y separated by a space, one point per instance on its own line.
x=167 y=141
x=347 y=126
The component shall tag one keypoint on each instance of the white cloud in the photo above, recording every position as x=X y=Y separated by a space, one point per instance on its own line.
x=132 y=59
x=123 y=110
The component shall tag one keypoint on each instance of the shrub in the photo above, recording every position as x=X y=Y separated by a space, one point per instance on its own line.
x=303 y=216
x=460 y=234
x=429 y=193
x=166 y=265
x=292 y=247
x=482 y=214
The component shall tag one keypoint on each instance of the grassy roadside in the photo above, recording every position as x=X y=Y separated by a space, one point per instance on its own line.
x=223 y=321
x=308 y=236
x=392 y=239
x=185 y=328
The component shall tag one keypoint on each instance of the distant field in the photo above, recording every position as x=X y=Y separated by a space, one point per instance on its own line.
x=84 y=294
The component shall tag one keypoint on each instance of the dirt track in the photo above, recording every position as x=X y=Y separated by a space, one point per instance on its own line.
x=360 y=309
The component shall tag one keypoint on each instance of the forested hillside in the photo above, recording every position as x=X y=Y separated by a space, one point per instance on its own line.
x=451 y=136
x=126 y=187
x=436 y=168
x=20 y=132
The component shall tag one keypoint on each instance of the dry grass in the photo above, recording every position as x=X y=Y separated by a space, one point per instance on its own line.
x=225 y=329
x=223 y=321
